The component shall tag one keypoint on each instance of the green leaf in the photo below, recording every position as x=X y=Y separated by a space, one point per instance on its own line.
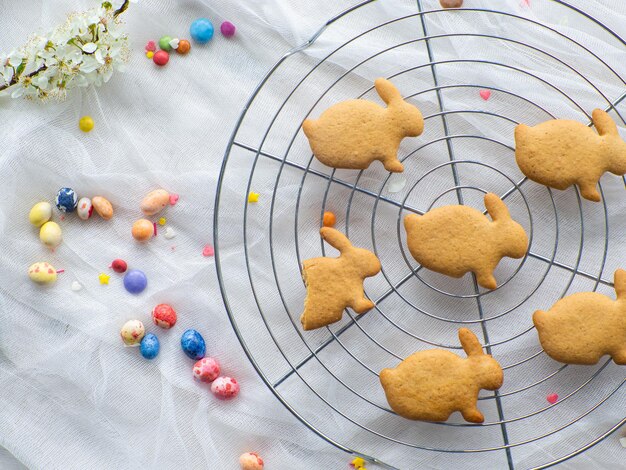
x=20 y=68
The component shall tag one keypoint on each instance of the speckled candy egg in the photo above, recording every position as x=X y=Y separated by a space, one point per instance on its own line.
x=66 y=200
x=103 y=207
x=42 y=273
x=164 y=316
x=193 y=344
x=142 y=230
x=84 y=209
x=50 y=234
x=206 y=369
x=132 y=333
x=155 y=202
x=40 y=213
x=250 y=461
x=225 y=387
x=150 y=346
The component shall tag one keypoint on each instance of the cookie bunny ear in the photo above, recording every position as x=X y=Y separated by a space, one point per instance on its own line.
x=496 y=208
x=387 y=91
x=335 y=238
x=620 y=284
x=603 y=122
x=470 y=343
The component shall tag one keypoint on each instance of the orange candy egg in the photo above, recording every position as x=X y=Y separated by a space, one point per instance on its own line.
x=143 y=230
x=183 y=46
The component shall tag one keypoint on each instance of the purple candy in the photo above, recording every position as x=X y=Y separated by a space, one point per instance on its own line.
x=228 y=29
x=135 y=281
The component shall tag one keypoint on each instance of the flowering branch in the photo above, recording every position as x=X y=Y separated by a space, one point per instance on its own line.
x=86 y=50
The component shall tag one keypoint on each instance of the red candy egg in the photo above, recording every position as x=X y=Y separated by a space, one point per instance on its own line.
x=225 y=388
x=164 y=316
x=161 y=58
x=206 y=369
x=119 y=265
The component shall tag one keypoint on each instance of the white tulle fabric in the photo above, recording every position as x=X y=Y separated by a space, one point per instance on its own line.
x=72 y=397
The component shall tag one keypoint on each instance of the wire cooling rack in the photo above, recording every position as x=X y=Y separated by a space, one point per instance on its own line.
x=529 y=69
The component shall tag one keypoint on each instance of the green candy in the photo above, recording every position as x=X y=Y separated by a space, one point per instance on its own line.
x=164 y=43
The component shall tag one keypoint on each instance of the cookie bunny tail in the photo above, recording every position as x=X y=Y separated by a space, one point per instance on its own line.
x=620 y=284
x=604 y=123
x=335 y=238
x=496 y=208
x=387 y=91
x=470 y=343
x=308 y=126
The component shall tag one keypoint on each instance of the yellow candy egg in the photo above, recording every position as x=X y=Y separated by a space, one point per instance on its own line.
x=40 y=213
x=42 y=273
x=50 y=234
x=86 y=123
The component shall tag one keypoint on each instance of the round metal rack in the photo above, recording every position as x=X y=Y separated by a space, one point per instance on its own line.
x=440 y=60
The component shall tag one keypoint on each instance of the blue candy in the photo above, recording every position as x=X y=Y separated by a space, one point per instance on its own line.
x=66 y=200
x=201 y=30
x=193 y=344
x=135 y=281
x=150 y=346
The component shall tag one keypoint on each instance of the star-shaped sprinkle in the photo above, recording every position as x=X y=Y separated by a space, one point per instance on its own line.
x=253 y=197
x=104 y=278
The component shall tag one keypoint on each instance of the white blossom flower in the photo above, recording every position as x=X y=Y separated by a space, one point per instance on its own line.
x=85 y=50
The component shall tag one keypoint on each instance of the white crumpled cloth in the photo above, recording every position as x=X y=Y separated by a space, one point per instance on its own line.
x=72 y=397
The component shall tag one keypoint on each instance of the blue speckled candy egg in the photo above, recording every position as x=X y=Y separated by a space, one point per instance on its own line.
x=135 y=281
x=201 y=30
x=150 y=346
x=193 y=344
x=66 y=200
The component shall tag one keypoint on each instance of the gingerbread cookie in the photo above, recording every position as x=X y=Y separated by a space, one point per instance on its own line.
x=333 y=284
x=583 y=327
x=431 y=385
x=560 y=153
x=354 y=133
x=454 y=240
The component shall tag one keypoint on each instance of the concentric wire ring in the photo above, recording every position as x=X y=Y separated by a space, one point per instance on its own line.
x=385 y=319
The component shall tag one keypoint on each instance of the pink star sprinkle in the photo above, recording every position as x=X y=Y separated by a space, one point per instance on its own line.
x=485 y=94
x=151 y=46
x=174 y=199
x=552 y=398
x=208 y=250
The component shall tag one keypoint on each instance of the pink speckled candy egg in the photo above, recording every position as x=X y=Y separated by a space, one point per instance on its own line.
x=206 y=369
x=250 y=461
x=164 y=316
x=225 y=388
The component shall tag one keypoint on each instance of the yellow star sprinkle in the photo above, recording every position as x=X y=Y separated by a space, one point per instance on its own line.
x=358 y=463
x=149 y=54
x=162 y=221
x=253 y=197
x=104 y=278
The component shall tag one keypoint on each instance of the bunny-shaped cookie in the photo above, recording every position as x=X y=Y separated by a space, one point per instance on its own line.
x=430 y=385
x=354 y=133
x=583 y=327
x=454 y=240
x=560 y=153
x=333 y=284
